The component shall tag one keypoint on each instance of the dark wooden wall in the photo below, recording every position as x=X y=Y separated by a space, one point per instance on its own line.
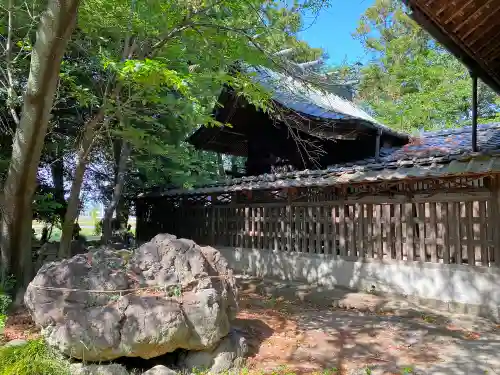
x=270 y=141
x=451 y=222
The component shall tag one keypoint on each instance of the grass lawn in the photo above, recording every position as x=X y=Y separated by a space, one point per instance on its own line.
x=87 y=229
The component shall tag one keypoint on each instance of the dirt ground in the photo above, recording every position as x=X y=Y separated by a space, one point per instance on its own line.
x=297 y=329
x=343 y=332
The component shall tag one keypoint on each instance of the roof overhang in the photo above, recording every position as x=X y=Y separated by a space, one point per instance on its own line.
x=470 y=29
x=403 y=170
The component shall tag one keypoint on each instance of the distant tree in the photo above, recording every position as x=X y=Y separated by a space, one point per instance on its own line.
x=412 y=82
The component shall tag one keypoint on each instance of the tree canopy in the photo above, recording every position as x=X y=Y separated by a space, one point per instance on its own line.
x=136 y=78
x=411 y=83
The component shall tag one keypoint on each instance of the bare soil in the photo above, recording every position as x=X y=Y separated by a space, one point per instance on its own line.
x=19 y=325
x=351 y=335
x=297 y=336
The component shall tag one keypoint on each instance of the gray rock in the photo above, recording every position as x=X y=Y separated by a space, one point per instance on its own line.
x=16 y=342
x=229 y=354
x=415 y=337
x=113 y=369
x=190 y=303
x=46 y=253
x=160 y=370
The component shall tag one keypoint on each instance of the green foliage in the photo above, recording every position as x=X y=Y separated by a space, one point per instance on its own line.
x=5 y=301
x=96 y=222
x=185 y=52
x=34 y=358
x=45 y=207
x=6 y=288
x=412 y=83
x=3 y=320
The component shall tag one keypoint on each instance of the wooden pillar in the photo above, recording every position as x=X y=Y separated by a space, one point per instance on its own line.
x=139 y=219
x=495 y=219
x=474 y=112
x=377 y=144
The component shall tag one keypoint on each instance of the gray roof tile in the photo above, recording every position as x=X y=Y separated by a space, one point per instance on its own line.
x=439 y=153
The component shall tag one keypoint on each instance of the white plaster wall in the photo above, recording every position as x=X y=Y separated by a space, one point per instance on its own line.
x=476 y=288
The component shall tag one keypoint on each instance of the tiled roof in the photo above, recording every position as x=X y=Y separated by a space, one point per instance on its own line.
x=433 y=154
x=312 y=101
x=447 y=142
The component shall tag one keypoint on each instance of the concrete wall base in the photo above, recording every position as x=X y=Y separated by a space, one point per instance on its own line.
x=451 y=287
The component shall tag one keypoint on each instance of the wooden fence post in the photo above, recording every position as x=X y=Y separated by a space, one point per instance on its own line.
x=495 y=219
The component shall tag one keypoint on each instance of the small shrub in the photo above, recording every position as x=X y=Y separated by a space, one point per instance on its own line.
x=407 y=370
x=34 y=358
x=5 y=301
x=6 y=287
x=429 y=319
x=3 y=319
x=97 y=227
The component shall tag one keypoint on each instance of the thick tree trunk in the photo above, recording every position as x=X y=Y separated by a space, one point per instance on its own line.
x=76 y=186
x=117 y=193
x=55 y=29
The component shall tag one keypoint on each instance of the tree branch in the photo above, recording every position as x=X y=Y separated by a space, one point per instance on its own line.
x=187 y=22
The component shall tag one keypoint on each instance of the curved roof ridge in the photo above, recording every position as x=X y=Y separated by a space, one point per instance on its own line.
x=312 y=100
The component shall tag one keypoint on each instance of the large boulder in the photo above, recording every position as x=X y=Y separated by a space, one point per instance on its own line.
x=169 y=294
x=229 y=354
x=49 y=252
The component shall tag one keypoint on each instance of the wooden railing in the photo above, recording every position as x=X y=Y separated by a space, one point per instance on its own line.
x=443 y=228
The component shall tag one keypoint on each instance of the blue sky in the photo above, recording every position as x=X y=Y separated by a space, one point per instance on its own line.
x=332 y=30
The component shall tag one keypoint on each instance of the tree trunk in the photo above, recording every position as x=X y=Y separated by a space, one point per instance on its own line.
x=234 y=165
x=56 y=26
x=220 y=164
x=85 y=148
x=57 y=169
x=117 y=193
x=72 y=208
x=123 y=212
x=76 y=185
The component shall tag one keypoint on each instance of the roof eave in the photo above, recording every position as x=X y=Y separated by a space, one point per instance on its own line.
x=453 y=45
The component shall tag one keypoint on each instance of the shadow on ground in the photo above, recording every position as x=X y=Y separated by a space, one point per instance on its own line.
x=310 y=329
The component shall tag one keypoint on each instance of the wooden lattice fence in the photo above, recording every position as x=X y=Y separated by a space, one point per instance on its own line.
x=459 y=225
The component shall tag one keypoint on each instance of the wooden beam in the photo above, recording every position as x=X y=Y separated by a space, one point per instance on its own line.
x=308 y=64
x=489 y=27
x=478 y=25
x=474 y=16
x=324 y=131
x=225 y=130
x=458 y=11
